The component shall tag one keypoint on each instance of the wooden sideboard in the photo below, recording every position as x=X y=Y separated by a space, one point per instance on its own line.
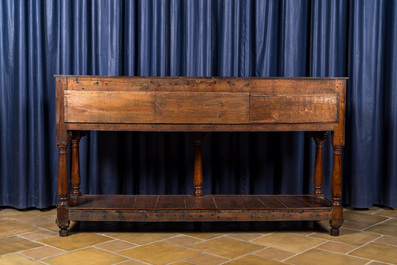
x=198 y=106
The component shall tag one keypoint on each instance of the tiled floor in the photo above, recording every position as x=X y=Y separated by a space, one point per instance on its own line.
x=30 y=237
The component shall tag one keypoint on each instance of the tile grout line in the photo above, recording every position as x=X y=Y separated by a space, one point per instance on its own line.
x=379 y=223
x=33 y=225
x=19 y=253
x=118 y=254
x=347 y=253
x=371 y=241
x=298 y=253
x=358 y=247
x=229 y=259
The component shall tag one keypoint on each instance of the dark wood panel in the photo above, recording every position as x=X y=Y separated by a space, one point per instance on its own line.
x=178 y=208
x=270 y=201
x=146 y=202
x=198 y=216
x=171 y=202
x=207 y=202
x=251 y=202
x=100 y=201
x=293 y=201
x=200 y=202
x=62 y=137
x=202 y=107
x=309 y=108
x=228 y=202
x=316 y=202
x=129 y=201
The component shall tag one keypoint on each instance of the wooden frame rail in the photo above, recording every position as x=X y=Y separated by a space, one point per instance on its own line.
x=199 y=106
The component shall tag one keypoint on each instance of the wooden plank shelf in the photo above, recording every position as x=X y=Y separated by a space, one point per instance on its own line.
x=210 y=208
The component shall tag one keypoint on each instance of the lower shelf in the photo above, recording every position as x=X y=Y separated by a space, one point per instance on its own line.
x=209 y=208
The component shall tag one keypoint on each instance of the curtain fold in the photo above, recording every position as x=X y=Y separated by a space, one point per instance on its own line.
x=197 y=38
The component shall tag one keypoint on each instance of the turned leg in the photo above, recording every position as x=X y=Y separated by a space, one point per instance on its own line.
x=198 y=168
x=319 y=138
x=75 y=178
x=336 y=191
x=63 y=192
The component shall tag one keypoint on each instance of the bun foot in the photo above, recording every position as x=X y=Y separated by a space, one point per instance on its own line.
x=334 y=231
x=63 y=232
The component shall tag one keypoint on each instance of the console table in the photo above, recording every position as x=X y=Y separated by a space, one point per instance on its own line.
x=198 y=106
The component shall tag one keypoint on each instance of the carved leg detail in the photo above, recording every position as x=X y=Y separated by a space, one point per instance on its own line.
x=336 y=190
x=75 y=136
x=319 y=138
x=63 y=191
x=198 y=168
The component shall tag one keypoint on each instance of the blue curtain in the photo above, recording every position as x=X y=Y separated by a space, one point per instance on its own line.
x=353 y=38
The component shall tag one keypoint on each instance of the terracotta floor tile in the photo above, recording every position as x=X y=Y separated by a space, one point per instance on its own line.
x=10 y=228
x=42 y=252
x=288 y=241
x=226 y=247
x=384 y=229
x=319 y=256
x=391 y=221
x=49 y=226
x=14 y=214
x=87 y=256
x=159 y=253
x=378 y=252
x=51 y=213
x=182 y=240
x=75 y=241
x=17 y=259
x=253 y=260
x=116 y=245
x=132 y=262
x=245 y=236
x=38 y=234
x=15 y=244
x=204 y=235
x=35 y=220
x=359 y=220
x=141 y=238
x=372 y=210
x=274 y=253
x=181 y=263
x=388 y=212
x=387 y=240
x=348 y=236
x=337 y=247
x=206 y=259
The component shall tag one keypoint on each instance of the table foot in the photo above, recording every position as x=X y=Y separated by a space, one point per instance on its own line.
x=334 y=231
x=63 y=232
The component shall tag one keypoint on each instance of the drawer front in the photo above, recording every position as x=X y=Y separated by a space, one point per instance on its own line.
x=299 y=108
x=156 y=107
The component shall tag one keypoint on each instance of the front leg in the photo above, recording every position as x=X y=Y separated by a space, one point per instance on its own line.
x=336 y=191
x=63 y=192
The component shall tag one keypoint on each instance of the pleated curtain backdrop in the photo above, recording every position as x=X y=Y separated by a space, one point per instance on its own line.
x=197 y=38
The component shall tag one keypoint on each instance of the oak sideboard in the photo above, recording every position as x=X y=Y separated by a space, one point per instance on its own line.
x=199 y=106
